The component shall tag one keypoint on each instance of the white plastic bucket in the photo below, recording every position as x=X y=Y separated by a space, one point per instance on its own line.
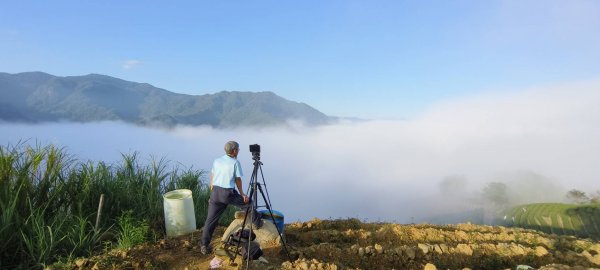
x=180 y=218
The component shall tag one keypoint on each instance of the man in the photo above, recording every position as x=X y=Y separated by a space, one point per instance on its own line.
x=225 y=175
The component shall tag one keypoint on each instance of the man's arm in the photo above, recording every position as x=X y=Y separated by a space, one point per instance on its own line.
x=238 y=183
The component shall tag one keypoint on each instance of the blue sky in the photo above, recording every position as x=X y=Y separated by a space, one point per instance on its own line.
x=370 y=59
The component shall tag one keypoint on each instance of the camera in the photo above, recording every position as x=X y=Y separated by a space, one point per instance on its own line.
x=255 y=149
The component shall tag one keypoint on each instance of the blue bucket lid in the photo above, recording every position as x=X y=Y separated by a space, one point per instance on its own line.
x=276 y=214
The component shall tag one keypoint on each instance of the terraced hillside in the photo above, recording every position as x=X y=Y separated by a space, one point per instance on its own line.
x=556 y=218
x=353 y=245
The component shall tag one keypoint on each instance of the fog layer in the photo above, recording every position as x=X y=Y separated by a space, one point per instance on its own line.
x=540 y=142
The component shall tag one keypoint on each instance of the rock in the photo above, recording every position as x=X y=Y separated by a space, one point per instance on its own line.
x=361 y=251
x=423 y=247
x=464 y=249
x=369 y=250
x=517 y=250
x=286 y=265
x=378 y=248
x=444 y=248
x=430 y=266
x=437 y=249
x=596 y=248
x=410 y=253
x=81 y=263
x=122 y=254
x=186 y=244
x=266 y=236
x=96 y=267
x=302 y=266
x=592 y=258
x=555 y=267
x=540 y=251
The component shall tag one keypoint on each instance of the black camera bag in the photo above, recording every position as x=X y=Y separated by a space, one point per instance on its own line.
x=254 y=251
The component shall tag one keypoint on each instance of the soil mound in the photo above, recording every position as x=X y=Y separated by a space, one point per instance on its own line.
x=351 y=244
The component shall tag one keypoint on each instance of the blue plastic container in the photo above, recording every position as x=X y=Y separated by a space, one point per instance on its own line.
x=277 y=218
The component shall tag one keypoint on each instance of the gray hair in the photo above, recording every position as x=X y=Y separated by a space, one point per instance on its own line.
x=230 y=146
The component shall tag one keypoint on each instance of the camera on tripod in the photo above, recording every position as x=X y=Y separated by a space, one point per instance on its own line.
x=255 y=150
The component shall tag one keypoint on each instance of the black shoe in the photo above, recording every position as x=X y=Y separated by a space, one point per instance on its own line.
x=205 y=250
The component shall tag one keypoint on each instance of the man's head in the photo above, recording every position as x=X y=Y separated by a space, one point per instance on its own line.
x=232 y=148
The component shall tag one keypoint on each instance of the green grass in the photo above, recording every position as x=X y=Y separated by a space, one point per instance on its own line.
x=578 y=220
x=49 y=200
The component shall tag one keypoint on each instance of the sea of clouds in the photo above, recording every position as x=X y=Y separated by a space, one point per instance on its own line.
x=540 y=142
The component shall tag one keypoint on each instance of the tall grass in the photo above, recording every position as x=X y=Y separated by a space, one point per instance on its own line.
x=48 y=202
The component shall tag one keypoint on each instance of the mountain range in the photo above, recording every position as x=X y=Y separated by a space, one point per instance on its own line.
x=41 y=97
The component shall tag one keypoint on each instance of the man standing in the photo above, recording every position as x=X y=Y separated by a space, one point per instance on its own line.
x=225 y=176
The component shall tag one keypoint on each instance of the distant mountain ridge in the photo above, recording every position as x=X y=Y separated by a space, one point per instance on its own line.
x=41 y=97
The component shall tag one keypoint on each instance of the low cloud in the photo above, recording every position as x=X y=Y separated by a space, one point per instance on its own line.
x=534 y=140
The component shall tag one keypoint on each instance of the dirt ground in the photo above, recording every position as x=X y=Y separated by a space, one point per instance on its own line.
x=351 y=244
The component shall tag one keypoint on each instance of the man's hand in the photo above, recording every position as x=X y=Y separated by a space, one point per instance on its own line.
x=246 y=199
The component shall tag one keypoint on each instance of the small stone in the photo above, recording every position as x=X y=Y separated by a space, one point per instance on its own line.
x=369 y=250
x=80 y=263
x=302 y=266
x=540 y=251
x=424 y=248
x=333 y=266
x=186 y=244
x=378 y=248
x=430 y=266
x=361 y=252
x=464 y=249
x=410 y=253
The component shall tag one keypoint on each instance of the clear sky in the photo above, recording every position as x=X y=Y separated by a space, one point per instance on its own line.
x=370 y=59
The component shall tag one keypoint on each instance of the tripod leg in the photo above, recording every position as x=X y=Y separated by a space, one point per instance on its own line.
x=268 y=205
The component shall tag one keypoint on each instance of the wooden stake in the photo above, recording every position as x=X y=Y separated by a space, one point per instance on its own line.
x=99 y=211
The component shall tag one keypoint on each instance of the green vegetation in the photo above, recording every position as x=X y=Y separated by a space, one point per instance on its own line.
x=568 y=219
x=49 y=202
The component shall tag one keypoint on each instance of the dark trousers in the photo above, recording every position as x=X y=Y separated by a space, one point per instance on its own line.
x=219 y=199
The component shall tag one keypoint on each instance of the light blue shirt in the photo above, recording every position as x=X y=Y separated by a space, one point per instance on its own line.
x=224 y=171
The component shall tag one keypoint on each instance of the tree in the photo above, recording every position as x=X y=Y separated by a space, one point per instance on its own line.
x=496 y=193
x=577 y=196
x=595 y=198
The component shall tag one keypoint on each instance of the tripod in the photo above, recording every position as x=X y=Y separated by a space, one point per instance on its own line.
x=253 y=187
